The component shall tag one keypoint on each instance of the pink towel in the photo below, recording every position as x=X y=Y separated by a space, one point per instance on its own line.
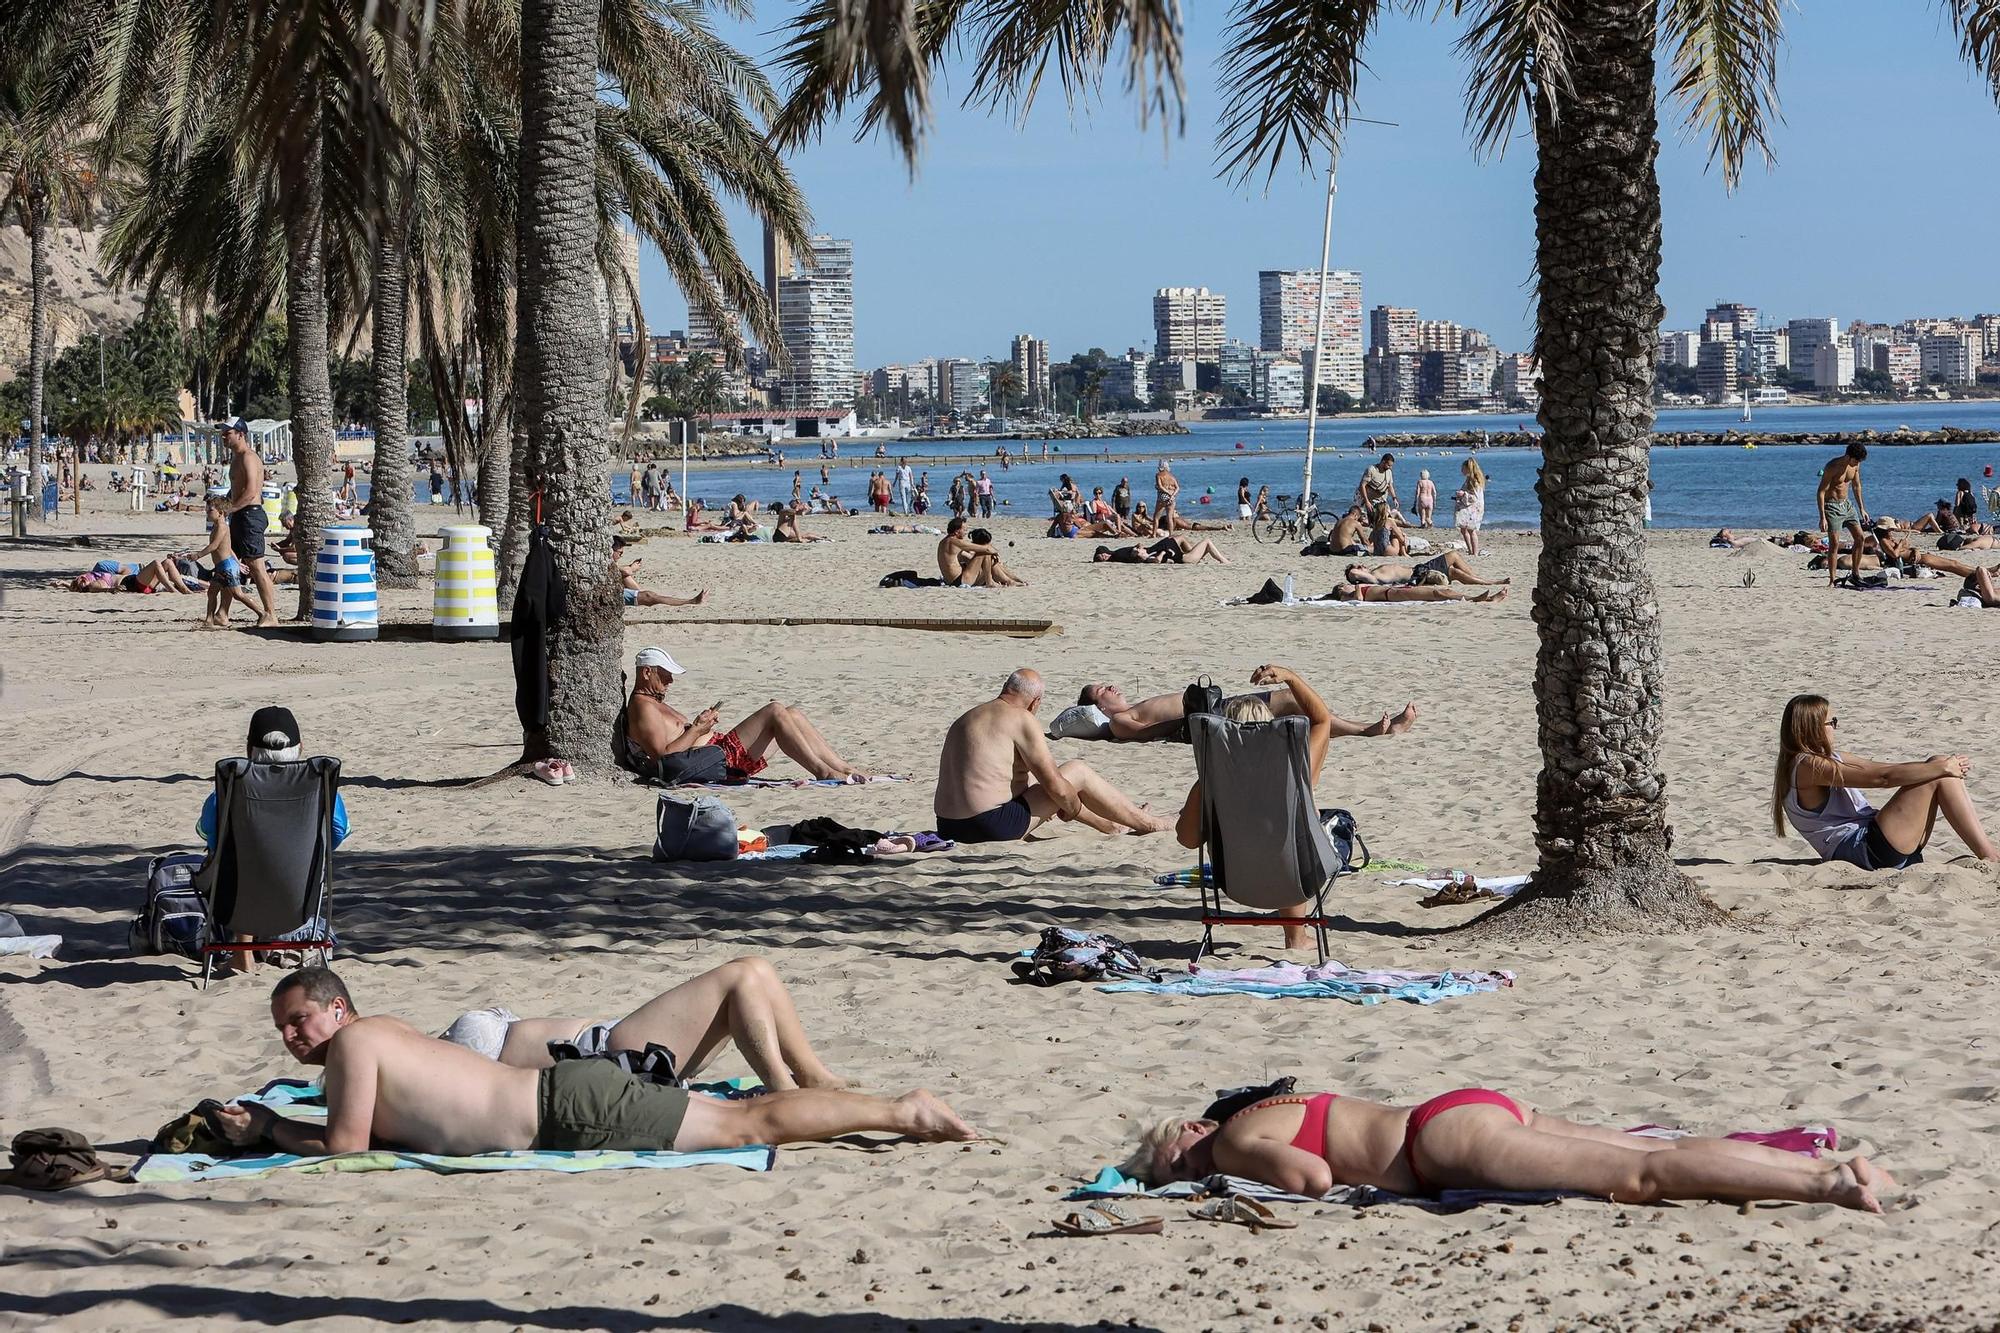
x=1807 y=1140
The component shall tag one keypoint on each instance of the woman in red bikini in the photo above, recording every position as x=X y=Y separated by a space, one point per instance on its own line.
x=1478 y=1139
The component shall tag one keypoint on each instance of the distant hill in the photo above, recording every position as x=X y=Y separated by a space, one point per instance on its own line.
x=80 y=298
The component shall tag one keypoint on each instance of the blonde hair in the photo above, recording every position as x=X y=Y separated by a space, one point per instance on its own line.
x=1248 y=708
x=1475 y=476
x=1139 y=1165
x=1801 y=732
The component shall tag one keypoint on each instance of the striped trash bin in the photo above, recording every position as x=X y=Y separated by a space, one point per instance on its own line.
x=467 y=604
x=343 y=603
x=273 y=499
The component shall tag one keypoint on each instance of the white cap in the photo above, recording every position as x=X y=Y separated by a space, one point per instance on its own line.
x=657 y=657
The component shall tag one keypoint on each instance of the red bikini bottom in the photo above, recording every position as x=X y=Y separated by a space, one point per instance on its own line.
x=1436 y=1106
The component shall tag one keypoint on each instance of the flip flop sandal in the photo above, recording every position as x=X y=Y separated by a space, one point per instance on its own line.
x=1109 y=1219
x=1239 y=1211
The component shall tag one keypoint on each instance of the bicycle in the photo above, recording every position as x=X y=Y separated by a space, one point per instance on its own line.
x=1286 y=524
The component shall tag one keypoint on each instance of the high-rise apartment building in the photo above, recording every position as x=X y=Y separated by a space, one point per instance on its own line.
x=1031 y=365
x=1950 y=358
x=1764 y=354
x=1808 y=336
x=614 y=298
x=1288 y=307
x=1440 y=335
x=703 y=332
x=1234 y=363
x=1902 y=362
x=1989 y=338
x=1741 y=318
x=1833 y=364
x=1125 y=377
x=1678 y=347
x=1455 y=379
x=1392 y=329
x=1278 y=382
x=1520 y=379
x=963 y=386
x=1188 y=323
x=816 y=317
x=1715 y=371
x=777 y=263
x=1390 y=378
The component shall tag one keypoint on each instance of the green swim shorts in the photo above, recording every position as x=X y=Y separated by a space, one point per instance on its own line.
x=594 y=1106
x=1841 y=512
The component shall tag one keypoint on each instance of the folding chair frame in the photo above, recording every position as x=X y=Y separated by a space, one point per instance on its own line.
x=1213 y=914
x=323 y=945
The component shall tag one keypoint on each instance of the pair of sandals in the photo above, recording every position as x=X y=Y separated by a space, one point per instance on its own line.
x=1108 y=1217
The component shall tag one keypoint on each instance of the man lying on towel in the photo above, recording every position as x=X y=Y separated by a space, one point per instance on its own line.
x=1160 y=717
x=388 y=1085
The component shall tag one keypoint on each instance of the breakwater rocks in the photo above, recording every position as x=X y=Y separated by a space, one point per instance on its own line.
x=1102 y=430
x=1676 y=439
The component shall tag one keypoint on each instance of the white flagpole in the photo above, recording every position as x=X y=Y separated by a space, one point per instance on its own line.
x=1319 y=341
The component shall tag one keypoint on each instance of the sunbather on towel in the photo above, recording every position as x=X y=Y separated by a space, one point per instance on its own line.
x=1449 y=567
x=1253 y=708
x=1479 y=1139
x=1817 y=789
x=388 y=1085
x=1161 y=716
x=997 y=780
x=655 y=728
x=1398 y=592
x=743 y=1001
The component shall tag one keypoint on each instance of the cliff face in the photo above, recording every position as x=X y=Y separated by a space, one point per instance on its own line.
x=80 y=297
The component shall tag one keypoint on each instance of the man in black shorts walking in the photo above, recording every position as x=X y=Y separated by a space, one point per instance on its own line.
x=247 y=519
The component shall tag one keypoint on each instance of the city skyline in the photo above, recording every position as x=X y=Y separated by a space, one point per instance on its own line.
x=1112 y=212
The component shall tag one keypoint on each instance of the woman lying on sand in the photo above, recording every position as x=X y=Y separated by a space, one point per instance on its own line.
x=1165 y=551
x=1816 y=788
x=1478 y=1139
x=153 y=576
x=1403 y=592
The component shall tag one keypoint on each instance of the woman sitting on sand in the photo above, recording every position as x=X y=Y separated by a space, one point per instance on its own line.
x=1817 y=789
x=1478 y=1139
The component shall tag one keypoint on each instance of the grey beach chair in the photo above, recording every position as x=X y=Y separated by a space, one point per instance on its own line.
x=1263 y=839
x=271 y=869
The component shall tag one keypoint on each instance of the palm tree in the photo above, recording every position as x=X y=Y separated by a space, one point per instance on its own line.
x=1584 y=71
x=46 y=179
x=1003 y=382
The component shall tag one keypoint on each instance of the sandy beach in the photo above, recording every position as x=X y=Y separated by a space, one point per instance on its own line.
x=1833 y=995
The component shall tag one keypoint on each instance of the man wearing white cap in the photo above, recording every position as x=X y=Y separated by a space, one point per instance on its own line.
x=656 y=729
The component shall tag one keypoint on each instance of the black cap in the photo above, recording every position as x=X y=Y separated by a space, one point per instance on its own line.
x=273 y=719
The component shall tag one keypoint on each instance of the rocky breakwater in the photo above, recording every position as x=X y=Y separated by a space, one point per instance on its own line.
x=1105 y=430
x=1677 y=439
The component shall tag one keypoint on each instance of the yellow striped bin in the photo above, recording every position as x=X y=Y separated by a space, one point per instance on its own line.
x=467 y=605
x=274 y=509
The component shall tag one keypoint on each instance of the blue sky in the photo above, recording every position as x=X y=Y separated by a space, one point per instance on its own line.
x=1882 y=202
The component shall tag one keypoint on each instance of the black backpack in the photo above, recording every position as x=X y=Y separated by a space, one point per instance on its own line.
x=172 y=919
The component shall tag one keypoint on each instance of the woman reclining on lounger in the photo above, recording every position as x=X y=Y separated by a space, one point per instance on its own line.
x=1817 y=789
x=1478 y=1139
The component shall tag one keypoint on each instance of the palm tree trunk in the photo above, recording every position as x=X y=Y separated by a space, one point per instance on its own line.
x=561 y=400
x=38 y=352
x=493 y=321
x=1601 y=803
x=306 y=352
x=391 y=494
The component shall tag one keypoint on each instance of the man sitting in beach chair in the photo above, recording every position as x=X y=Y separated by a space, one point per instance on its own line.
x=1252 y=808
x=388 y=1085
x=1161 y=717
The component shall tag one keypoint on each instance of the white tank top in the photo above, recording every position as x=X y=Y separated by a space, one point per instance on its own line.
x=1845 y=813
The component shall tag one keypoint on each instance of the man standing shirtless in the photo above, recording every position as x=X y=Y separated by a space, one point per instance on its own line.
x=656 y=728
x=389 y=1085
x=997 y=780
x=1166 y=486
x=1160 y=717
x=247 y=519
x=963 y=563
x=1838 y=510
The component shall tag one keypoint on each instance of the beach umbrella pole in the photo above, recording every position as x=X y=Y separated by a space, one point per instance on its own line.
x=1319 y=342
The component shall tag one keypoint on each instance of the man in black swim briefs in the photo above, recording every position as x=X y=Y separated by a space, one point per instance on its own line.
x=997 y=780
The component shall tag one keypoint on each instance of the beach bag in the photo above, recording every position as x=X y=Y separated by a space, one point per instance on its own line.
x=1204 y=696
x=172 y=919
x=1063 y=955
x=1340 y=831
x=1228 y=1101
x=700 y=829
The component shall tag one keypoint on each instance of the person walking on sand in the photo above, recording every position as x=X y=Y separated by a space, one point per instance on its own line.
x=906 y=487
x=985 y=488
x=1427 y=497
x=247 y=519
x=1841 y=507
x=1469 y=504
x=1817 y=790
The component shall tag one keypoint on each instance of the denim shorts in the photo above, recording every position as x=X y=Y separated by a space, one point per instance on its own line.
x=1871 y=850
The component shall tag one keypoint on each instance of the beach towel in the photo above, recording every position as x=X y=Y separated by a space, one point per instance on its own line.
x=296 y=1100
x=803 y=782
x=1329 y=981
x=31 y=946
x=1500 y=886
x=1109 y=1182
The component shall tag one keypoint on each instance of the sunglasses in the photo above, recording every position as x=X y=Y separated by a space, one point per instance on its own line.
x=1833 y=722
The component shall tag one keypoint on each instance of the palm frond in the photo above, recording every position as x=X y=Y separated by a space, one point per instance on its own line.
x=1294 y=67
x=1520 y=58
x=1724 y=60
x=1977 y=23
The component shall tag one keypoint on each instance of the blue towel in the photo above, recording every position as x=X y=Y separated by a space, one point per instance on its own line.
x=1444 y=987
x=162 y=1167
x=1110 y=1183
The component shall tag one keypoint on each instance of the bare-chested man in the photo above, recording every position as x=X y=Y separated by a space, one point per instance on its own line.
x=1161 y=716
x=656 y=728
x=1347 y=537
x=743 y=1001
x=247 y=519
x=1839 y=509
x=388 y=1085
x=997 y=780
x=628 y=582
x=963 y=563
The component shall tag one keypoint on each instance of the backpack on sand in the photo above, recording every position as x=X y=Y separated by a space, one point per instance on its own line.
x=1063 y=955
x=700 y=829
x=172 y=919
